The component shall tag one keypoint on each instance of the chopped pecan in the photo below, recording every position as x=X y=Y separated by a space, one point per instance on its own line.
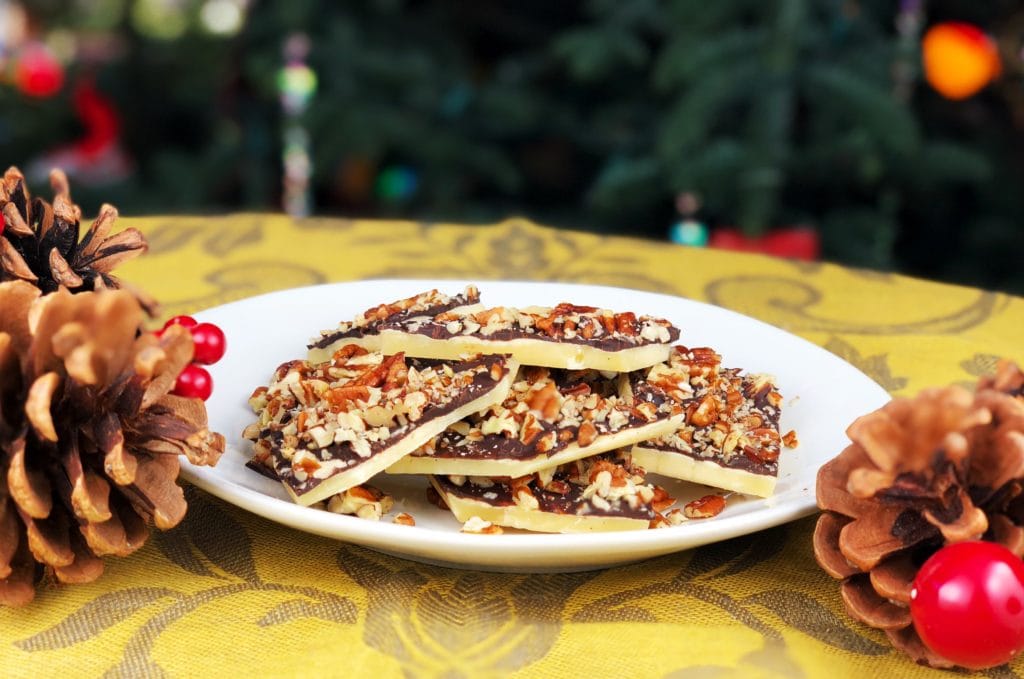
x=600 y=466
x=483 y=317
x=521 y=493
x=646 y=411
x=497 y=372
x=478 y=526
x=374 y=377
x=530 y=430
x=705 y=413
x=298 y=366
x=547 y=326
x=586 y=434
x=306 y=463
x=546 y=401
x=397 y=375
x=565 y=308
x=662 y=500
x=557 y=487
x=404 y=519
x=625 y=323
x=675 y=517
x=578 y=389
x=701 y=357
x=341 y=396
x=346 y=352
x=546 y=442
x=705 y=507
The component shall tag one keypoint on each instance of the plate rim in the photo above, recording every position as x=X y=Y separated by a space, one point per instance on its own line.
x=421 y=543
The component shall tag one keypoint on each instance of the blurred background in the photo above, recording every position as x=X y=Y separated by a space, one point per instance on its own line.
x=880 y=134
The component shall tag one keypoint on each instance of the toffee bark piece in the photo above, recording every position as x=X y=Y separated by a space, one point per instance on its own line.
x=364 y=329
x=601 y=493
x=550 y=417
x=324 y=428
x=730 y=437
x=566 y=336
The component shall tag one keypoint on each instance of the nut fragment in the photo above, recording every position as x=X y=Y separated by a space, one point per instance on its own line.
x=586 y=434
x=705 y=507
x=662 y=500
x=366 y=502
x=405 y=519
x=478 y=526
x=706 y=412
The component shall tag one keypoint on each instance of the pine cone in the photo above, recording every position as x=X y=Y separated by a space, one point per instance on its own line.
x=1008 y=378
x=40 y=243
x=89 y=434
x=943 y=467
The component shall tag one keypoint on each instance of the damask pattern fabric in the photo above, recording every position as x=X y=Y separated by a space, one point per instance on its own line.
x=230 y=594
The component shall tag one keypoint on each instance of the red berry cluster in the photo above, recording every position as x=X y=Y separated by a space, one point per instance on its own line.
x=208 y=340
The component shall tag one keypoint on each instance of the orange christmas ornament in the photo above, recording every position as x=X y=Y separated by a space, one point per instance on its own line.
x=959 y=59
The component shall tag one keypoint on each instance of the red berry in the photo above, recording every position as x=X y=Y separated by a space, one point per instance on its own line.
x=186 y=321
x=968 y=604
x=209 y=342
x=38 y=73
x=194 y=382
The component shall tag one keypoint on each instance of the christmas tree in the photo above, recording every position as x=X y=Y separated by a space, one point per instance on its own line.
x=591 y=115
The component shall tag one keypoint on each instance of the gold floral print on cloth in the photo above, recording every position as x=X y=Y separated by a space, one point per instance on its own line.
x=230 y=594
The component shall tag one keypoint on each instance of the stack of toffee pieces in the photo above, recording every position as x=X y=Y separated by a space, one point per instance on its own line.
x=536 y=418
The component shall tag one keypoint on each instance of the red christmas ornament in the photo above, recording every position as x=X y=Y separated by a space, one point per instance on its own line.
x=38 y=73
x=3 y=223
x=209 y=342
x=968 y=604
x=194 y=382
x=186 y=321
x=794 y=243
x=959 y=59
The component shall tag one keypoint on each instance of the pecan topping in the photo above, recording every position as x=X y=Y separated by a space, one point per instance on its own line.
x=321 y=420
x=705 y=507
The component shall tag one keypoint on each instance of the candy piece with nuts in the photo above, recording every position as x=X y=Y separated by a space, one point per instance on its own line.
x=597 y=494
x=730 y=438
x=364 y=329
x=565 y=336
x=327 y=427
x=550 y=417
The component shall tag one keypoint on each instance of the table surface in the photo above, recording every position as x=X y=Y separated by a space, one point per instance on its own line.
x=227 y=593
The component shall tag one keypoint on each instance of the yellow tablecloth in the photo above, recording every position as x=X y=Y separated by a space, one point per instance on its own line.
x=228 y=594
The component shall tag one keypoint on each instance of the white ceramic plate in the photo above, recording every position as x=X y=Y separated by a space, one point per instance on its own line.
x=823 y=394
